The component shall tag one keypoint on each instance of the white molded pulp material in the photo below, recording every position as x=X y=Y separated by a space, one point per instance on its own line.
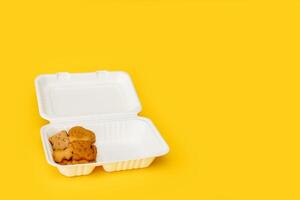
x=106 y=103
x=131 y=164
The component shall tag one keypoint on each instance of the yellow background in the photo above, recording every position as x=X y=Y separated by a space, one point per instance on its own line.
x=219 y=78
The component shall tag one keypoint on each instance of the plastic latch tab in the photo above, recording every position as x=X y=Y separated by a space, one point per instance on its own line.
x=102 y=75
x=62 y=76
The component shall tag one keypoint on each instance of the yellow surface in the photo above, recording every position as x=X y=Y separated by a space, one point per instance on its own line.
x=219 y=78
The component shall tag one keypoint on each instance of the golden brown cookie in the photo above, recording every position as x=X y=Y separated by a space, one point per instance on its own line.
x=79 y=161
x=79 y=133
x=73 y=162
x=65 y=162
x=59 y=155
x=60 y=140
x=84 y=150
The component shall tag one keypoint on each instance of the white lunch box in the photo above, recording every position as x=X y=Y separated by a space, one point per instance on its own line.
x=106 y=103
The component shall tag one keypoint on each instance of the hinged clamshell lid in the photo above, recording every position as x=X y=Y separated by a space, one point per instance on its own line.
x=73 y=96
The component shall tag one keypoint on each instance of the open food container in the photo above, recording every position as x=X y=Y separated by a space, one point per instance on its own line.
x=106 y=103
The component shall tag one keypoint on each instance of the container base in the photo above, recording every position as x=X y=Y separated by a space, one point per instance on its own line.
x=77 y=170
x=131 y=164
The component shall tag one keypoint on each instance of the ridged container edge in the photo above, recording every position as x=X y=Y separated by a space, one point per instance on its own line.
x=130 y=164
x=76 y=170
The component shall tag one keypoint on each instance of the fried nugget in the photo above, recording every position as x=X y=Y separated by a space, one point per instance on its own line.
x=79 y=133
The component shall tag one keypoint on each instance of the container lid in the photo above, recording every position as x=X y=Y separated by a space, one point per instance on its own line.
x=73 y=96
